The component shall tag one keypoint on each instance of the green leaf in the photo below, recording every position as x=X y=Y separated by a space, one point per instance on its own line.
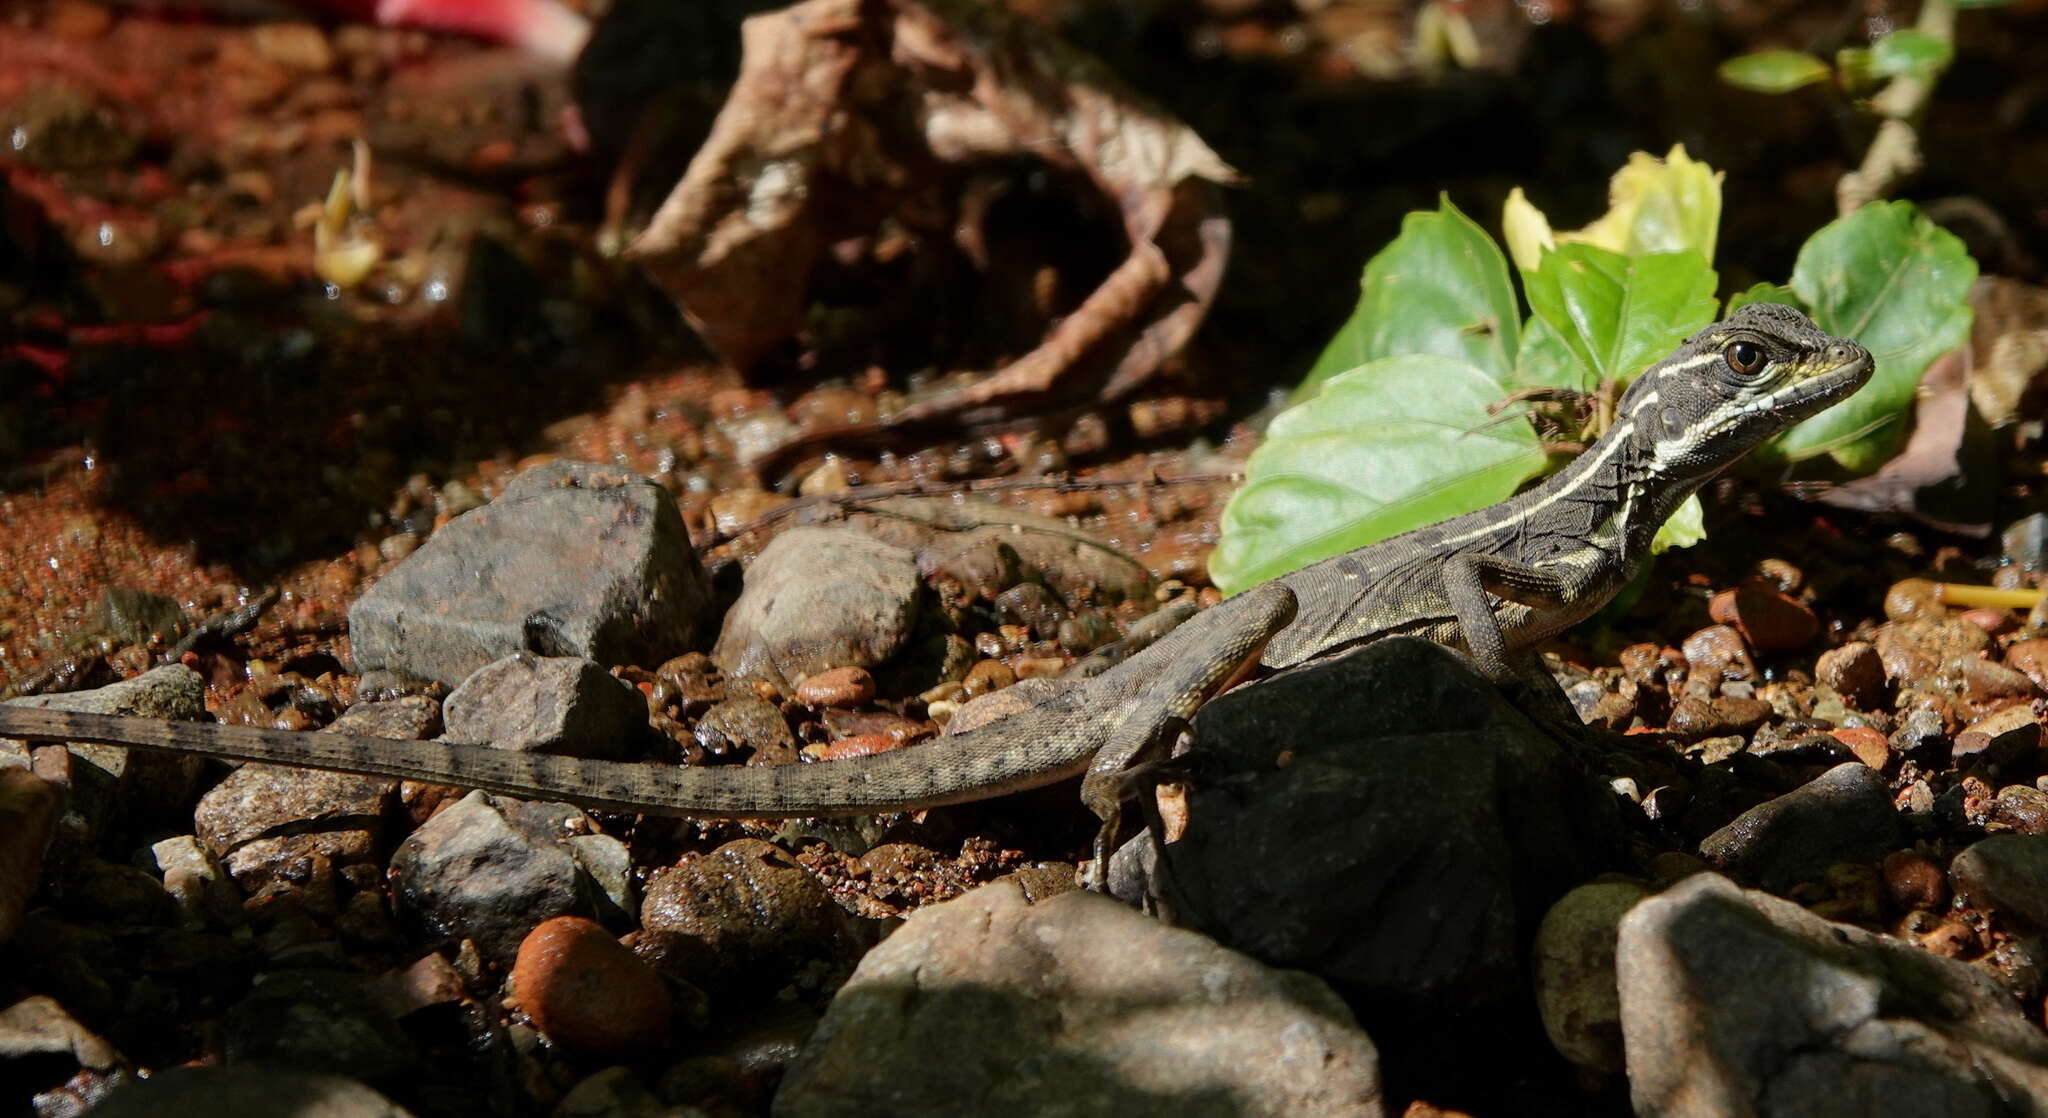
x=1852 y=68
x=1909 y=52
x=1440 y=288
x=1545 y=361
x=1617 y=314
x=1765 y=292
x=1396 y=444
x=1773 y=71
x=1686 y=527
x=1895 y=281
x=1658 y=205
x=1961 y=4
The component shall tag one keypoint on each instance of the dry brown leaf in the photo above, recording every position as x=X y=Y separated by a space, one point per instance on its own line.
x=846 y=111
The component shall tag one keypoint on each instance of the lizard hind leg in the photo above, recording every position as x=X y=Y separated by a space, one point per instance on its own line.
x=1147 y=726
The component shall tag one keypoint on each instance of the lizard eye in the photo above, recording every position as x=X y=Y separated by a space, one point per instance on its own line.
x=1746 y=358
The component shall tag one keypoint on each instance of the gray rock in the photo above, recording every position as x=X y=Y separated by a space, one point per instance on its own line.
x=263 y=821
x=406 y=718
x=198 y=884
x=1844 y=815
x=750 y=722
x=1573 y=969
x=818 y=598
x=2026 y=541
x=109 y=779
x=1734 y=1002
x=246 y=1092
x=1386 y=821
x=1075 y=1006
x=547 y=704
x=126 y=616
x=487 y=869
x=573 y=559
x=2006 y=874
x=317 y=1021
x=608 y=865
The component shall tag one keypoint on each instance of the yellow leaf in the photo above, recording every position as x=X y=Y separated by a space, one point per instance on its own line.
x=1658 y=205
x=1526 y=231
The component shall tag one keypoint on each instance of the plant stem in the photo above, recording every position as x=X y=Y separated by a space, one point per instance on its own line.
x=1894 y=153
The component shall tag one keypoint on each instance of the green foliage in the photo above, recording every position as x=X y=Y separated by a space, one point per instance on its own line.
x=1441 y=287
x=1616 y=314
x=1909 y=53
x=1898 y=283
x=1393 y=444
x=1396 y=427
x=1774 y=71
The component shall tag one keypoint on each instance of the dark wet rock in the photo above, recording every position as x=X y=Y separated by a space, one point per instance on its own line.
x=573 y=559
x=1401 y=840
x=198 y=884
x=106 y=779
x=96 y=890
x=1922 y=736
x=1573 y=968
x=28 y=818
x=246 y=1092
x=617 y=1093
x=1736 y=1002
x=1717 y=653
x=1844 y=815
x=1855 y=671
x=317 y=1021
x=2008 y=875
x=263 y=821
x=584 y=989
x=750 y=722
x=1080 y=1006
x=1912 y=881
x=547 y=704
x=745 y=909
x=2003 y=736
x=2022 y=808
x=487 y=869
x=1032 y=605
x=819 y=598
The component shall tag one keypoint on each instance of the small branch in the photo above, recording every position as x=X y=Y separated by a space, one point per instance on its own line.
x=1894 y=153
x=865 y=493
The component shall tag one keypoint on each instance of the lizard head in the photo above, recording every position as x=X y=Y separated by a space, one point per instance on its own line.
x=1735 y=384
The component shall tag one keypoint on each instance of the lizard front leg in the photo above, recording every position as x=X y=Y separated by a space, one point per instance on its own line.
x=1229 y=649
x=1468 y=580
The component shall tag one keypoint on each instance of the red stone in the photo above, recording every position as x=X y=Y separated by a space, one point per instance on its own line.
x=586 y=990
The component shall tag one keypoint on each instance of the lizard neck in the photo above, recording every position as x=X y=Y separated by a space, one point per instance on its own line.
x=1617 y=494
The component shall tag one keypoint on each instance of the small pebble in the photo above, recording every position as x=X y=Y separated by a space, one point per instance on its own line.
x=588 y=991
x=1854 y=671
x=1771 y=621
x=1869 y=746
x=837 y=687
x=1997 y=622
x=987 y=676
x=1717 y=653
x=1913 y=599
x=1040 y=667
x=859 y=745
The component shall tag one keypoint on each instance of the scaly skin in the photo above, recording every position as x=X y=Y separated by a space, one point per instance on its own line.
x=1492 y=582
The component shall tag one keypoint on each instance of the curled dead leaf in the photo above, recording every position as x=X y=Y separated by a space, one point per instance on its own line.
x=848 y=111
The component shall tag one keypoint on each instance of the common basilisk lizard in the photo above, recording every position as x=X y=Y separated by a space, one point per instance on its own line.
x=1492 y=582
